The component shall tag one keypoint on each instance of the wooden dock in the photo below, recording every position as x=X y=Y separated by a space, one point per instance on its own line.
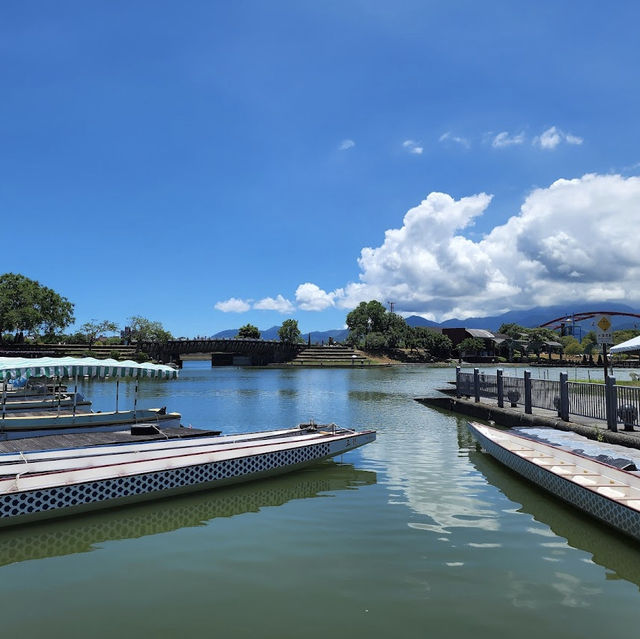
x=77 y=440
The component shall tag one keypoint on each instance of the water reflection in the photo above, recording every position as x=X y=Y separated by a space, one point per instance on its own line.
x=608 y=549
x=82 y=533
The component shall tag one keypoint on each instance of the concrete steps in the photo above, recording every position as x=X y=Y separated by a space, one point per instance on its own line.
x=329 y=355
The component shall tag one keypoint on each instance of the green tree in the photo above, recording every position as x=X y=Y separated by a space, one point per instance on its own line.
x=249 y=330
x=94 y=329
x=515 y=331
x=375 y=342
x=367 y=317
x=395 y=330
x=625 y=334
x=536 y=341
x=571 y=346
x=144 y=330
x=28 y=307
x=436 y=344
x=289 y=332
x=470 y=345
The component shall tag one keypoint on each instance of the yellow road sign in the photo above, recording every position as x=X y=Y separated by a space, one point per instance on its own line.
x=604 y=323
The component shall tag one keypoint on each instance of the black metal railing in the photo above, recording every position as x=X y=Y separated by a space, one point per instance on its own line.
x=615 y=404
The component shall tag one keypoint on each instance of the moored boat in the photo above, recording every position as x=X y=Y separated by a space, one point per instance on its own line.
x=27 y=417
x=52 y=483
x=605 y=492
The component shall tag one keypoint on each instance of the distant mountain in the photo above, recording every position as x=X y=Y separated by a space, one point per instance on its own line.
x=317 y=337
x=533 y=317
x=529 y=318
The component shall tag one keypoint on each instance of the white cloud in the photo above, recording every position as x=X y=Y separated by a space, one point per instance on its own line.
x=570 y=241
x=312 y=298
x=279 y=304
x=503 y=139
x=233 y=305
x=413 y=147
x=345 y=145
x=553 y=136
x=445 y=137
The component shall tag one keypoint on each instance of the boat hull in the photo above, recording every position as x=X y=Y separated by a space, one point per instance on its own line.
x=611 y=512
x=26 y=506
x=18 y=427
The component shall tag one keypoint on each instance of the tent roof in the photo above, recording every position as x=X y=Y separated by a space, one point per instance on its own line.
x=12 y=367
x=632 y=344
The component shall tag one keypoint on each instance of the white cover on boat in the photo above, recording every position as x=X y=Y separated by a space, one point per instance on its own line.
x=13 y=367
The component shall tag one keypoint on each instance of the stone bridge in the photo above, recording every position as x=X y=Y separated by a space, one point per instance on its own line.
x=224 y=352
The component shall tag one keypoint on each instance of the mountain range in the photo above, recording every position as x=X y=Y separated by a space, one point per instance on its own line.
x=529 y=318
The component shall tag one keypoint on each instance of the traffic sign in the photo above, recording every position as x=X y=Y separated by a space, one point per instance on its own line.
x=604 y=334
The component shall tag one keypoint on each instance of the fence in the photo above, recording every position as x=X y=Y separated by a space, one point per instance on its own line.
x=610 y=402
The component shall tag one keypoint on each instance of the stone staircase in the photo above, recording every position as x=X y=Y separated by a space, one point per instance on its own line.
x=330 y=356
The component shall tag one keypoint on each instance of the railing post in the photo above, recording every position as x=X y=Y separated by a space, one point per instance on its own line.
x=500 y=384
x=527 y=392
x=476 y=384
x=564 y=397
x=611 y=402
x=458 y=392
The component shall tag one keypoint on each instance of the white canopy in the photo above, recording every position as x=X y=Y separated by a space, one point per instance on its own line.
x=632 y=344
x=13 y=367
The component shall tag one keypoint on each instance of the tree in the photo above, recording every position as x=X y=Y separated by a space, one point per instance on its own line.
x=472 y=345
x=94 y=329
x=374 y=342
x=571 y=345
x=289 y=332
x=436 y=344
x=515 y=331
x=144 y=330
x=249 y=331
x=28 y=307
x=395 y=330
x=367 y=317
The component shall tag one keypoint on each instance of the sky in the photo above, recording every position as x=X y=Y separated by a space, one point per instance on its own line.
x=212 y=164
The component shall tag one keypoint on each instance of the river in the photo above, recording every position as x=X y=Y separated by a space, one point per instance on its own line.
x=418 y=534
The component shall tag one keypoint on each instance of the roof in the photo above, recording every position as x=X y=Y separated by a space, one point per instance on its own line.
x=479 y=332
x=632 y=344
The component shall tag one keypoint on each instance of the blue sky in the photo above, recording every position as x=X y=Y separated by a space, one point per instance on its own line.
x=209 y=164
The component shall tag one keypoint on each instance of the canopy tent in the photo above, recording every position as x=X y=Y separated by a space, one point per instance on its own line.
x=14 y=367
x=630 y=345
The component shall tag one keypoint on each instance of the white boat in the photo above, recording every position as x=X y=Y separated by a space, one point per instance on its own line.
x=605 y=492
x=18 y=426
x=52 y=483
x=62 y=400
x=56 y=416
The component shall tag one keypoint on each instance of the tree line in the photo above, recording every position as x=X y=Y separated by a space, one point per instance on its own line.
x=31 y=311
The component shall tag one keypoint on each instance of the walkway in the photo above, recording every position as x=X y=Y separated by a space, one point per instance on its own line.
x=488 y=410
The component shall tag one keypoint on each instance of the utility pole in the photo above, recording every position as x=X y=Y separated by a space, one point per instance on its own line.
x=391 y=305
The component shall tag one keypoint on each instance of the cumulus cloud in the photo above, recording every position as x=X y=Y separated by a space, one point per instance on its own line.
x=278 y=303
x=570 y=241
x=233 y=305
x=413 y=147
x=345 y=145
x=312 y=298
x=449 y=137
x=553 y=136
x=503 y=140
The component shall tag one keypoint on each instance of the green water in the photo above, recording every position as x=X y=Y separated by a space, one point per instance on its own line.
x=415 y=535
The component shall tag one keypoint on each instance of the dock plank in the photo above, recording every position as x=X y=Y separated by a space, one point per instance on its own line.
x=76 y=440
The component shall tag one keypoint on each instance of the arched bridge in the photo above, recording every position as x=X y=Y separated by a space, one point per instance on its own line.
x=255 y=352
